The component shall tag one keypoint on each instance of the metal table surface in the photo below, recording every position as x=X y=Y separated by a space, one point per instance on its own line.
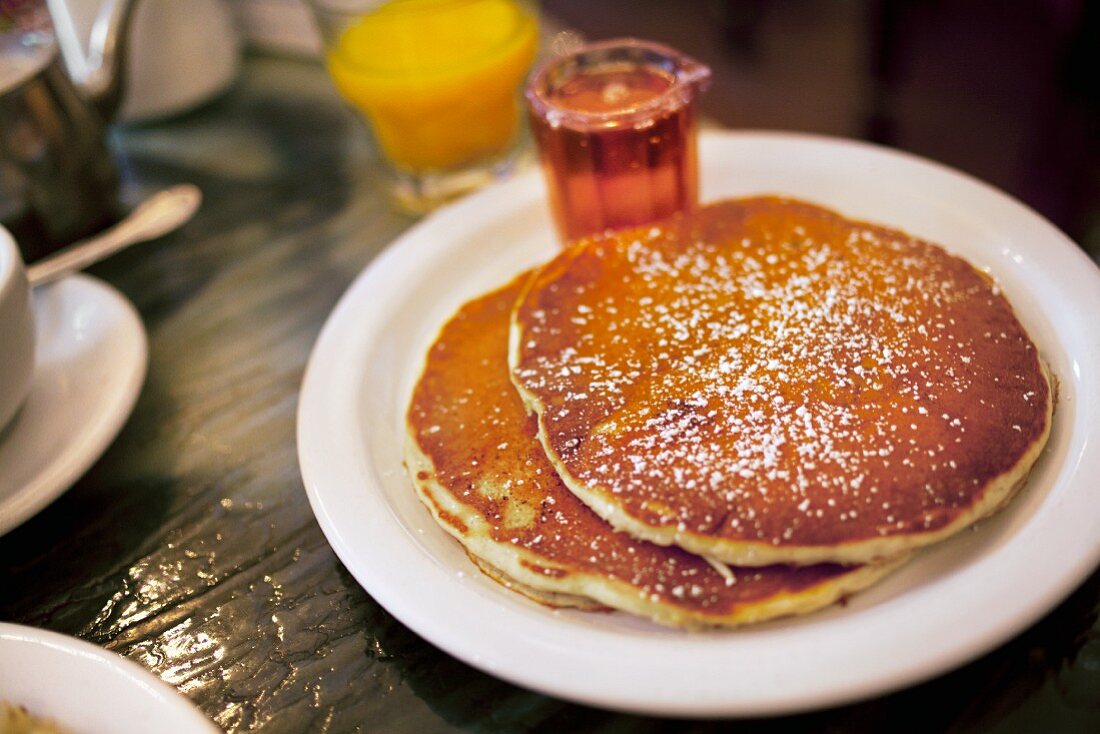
x=190 y=547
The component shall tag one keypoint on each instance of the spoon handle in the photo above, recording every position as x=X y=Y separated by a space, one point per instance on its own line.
x=156 y=216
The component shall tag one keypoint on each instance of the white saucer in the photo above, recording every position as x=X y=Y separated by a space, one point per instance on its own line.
x=82 y=687
x=90 y=363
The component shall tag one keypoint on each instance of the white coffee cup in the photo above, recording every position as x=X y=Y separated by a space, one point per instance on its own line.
x=16 y=330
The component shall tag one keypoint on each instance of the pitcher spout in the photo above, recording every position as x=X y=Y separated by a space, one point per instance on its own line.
x=99 y=71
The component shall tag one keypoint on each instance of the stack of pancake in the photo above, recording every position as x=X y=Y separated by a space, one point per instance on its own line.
x=745 y=412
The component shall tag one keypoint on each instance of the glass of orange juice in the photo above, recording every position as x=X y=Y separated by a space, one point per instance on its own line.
x=439 y=84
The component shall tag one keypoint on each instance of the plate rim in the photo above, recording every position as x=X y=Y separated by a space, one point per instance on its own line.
x=323 y=371
x=50 y=644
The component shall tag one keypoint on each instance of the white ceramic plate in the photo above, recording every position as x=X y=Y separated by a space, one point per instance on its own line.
x=84 y=688
x=90 y=359
x=952 y=603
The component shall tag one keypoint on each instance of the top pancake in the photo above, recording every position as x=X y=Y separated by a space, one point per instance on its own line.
x=766 y=381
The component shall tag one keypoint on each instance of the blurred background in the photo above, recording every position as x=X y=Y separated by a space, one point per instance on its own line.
x=1006 y=91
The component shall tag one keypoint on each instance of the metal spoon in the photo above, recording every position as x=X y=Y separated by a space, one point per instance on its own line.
x=156 y=216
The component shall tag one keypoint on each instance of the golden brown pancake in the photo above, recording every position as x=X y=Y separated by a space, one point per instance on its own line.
x=766 y=381
x=478 y=466
x=542 y=596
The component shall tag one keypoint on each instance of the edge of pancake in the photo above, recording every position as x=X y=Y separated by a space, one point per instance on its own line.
x=999 y=491
x=589 y=591
x=553 y=599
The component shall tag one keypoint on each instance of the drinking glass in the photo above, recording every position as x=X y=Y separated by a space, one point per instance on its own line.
x=438 y=82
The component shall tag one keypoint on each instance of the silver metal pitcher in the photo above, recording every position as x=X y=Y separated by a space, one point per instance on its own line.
x=58 y=180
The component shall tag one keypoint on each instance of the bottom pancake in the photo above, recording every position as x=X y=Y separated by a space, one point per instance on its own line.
x=546 y=598
x=477 y=464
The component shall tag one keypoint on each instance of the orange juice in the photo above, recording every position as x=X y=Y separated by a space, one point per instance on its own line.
x=438 y=80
